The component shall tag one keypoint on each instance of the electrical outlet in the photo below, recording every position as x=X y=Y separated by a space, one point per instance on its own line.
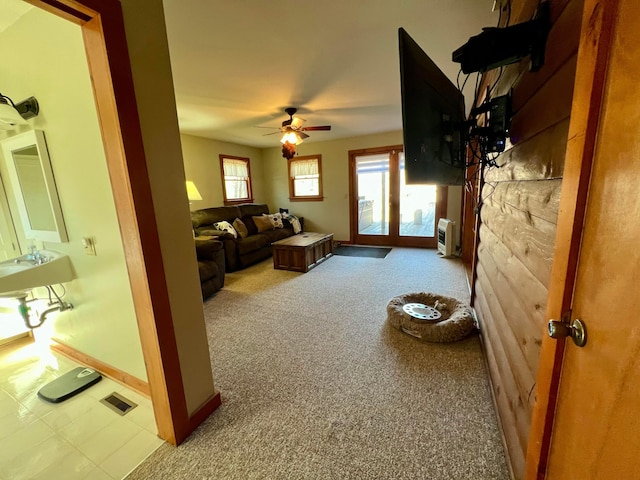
x=89 y=245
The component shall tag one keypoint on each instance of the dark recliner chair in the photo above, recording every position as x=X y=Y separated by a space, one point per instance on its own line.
x=210 y=254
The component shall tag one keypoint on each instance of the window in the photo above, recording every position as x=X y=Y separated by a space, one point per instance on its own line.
x=305 y=178
x=236 y=179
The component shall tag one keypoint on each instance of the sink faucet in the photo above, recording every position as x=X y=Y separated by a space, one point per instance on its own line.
x=34 y=257
x=33 y=251
x=25 y=260
x=39 y=259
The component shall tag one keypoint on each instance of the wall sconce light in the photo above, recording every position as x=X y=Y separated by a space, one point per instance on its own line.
x=192 y=192
x=13 y=114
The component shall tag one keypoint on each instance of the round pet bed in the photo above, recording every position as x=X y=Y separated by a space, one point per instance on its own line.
x=454 y=322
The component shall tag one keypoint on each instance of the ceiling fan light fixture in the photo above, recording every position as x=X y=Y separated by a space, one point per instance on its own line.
x=291 y=137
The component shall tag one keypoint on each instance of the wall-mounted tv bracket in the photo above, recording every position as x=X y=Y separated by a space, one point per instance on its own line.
x=492 y=136
x=496 y=47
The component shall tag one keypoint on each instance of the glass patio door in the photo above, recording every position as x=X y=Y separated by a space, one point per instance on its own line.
x=384 y=209
x=373 y=194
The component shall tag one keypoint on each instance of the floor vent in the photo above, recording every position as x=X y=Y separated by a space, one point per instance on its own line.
x=118 y=403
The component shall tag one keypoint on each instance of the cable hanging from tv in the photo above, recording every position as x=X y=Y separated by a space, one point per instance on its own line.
x=497 y=47
x=436 y=131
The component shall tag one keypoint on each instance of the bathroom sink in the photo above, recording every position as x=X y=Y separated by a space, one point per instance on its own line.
x=19 y=275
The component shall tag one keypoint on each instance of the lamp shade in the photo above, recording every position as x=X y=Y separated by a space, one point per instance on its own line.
x=9 y=116
x=192 y=191
x=291 y=137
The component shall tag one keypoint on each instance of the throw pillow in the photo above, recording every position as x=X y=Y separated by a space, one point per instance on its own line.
x=294 y=221
x=226 y=227
x=263 y=223
x=241 y=228
x=275 y=219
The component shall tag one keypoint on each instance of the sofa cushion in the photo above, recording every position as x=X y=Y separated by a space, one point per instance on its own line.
x=209 y=216
x=253 y=209
x=211 y=232
x=206 y=248
x=278 y=234
x=241 y=228
x=250 y=224
x=263 y=223
x=252 y=243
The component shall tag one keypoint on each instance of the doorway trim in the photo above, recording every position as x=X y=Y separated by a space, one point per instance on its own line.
x=105 y=42
x=596 y=39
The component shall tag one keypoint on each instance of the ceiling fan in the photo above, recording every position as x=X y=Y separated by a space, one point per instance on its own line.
x=293 y=132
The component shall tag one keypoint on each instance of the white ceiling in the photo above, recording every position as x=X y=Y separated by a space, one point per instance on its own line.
x=238 y=63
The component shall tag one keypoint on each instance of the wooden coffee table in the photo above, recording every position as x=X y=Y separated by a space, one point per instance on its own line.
x=302 y=252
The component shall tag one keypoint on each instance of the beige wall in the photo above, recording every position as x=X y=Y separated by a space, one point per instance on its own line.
x=270 y=183
x=44 y=56
x=149 y=55
x=202 y=166
x=332 y=214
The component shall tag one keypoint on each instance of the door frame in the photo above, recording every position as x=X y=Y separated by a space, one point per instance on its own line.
x=7 y=220
x=103 y=32
x=395 y=239
x=596 y=39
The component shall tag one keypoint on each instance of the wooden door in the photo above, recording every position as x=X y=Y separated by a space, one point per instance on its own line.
x=587 y=418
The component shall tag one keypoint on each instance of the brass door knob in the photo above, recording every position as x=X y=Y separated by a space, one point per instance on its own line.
x=576 y=330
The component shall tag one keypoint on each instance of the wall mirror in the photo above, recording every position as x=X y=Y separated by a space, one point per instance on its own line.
x=34 y=187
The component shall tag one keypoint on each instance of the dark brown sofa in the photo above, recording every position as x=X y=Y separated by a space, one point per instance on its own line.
x=210 y=254
x=240 y=252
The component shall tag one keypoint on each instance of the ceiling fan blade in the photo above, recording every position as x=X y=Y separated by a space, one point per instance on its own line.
x=318 y=128
x=303 y=135
x=272 y=133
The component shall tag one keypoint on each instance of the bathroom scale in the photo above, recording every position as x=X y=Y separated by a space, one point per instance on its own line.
x=69 y=384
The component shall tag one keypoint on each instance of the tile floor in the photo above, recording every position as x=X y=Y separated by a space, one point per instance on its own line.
x=79 y=438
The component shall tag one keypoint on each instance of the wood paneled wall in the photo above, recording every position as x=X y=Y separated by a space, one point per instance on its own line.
x=518 y=209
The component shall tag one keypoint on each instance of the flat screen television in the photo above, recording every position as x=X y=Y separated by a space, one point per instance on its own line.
x=432 y=113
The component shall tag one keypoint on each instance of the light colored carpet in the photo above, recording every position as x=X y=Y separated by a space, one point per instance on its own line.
x=315 y=385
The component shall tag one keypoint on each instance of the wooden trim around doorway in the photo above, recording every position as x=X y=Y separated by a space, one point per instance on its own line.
x=110 y=371
x=105 y=41
x=596 y=38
